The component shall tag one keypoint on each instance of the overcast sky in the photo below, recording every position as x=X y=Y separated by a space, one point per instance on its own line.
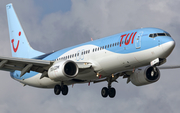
x=56 y=24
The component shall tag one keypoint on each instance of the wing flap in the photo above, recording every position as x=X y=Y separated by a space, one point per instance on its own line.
x=24 y=65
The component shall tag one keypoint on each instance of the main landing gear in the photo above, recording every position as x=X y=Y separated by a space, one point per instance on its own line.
x=58 y=89
x=108 y=90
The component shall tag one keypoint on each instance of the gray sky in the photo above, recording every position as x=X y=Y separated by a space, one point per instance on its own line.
x=56 y=24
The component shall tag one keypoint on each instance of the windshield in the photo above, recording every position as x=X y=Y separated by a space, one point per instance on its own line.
x=158 y=34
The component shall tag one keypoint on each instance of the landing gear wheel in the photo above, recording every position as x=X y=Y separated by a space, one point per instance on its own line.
x=104 y=92
x=65 y=90
x=112 y=92
x=57 y=89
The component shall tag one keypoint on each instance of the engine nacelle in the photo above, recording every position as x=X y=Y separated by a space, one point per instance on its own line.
x=63 y=70
x=145 y=75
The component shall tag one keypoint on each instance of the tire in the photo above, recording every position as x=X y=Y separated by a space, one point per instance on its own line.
x=112 y=92
x=104 y=92
x=65 y=90
x=57 y=89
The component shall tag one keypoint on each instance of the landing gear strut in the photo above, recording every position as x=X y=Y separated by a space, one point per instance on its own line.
x=108 y=91
x=58 y=89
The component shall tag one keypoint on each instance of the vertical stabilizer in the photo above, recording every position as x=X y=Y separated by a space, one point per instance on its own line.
x=20 y=46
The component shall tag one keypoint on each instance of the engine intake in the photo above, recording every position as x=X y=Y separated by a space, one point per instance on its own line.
x=145 y=75
x=63 y=70
x=70 y=69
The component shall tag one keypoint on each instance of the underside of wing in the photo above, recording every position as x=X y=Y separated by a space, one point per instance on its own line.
x=24 y=65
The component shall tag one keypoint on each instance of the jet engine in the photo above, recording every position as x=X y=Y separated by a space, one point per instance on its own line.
x=63 y=70
x=145 y=75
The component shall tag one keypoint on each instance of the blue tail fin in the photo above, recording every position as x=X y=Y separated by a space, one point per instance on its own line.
x=19 y=44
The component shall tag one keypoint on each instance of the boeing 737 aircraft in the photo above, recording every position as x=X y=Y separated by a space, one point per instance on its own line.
x=134 y=55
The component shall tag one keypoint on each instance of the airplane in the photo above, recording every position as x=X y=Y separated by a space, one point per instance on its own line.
x=134 y=54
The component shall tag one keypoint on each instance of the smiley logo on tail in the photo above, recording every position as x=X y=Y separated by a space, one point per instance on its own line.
x=15 y=49
x=12 y=41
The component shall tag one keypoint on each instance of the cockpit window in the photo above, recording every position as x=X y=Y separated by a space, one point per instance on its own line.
x=168 y=34
x=158 y=34
x=151 y=35
x=161 y=34
x=155 y=35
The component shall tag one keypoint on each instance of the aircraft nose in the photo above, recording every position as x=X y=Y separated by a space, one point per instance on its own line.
x=168 y=46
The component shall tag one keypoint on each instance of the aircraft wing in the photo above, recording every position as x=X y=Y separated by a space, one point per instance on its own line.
x=169 y=67
x=24 y=65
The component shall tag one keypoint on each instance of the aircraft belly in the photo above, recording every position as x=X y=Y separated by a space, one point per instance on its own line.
x=35 y=81
x=45 y=82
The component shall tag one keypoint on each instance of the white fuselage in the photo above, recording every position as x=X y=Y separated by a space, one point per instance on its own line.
x=106 y=63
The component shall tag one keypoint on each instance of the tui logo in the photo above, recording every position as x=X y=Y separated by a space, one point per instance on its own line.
x=15 y=48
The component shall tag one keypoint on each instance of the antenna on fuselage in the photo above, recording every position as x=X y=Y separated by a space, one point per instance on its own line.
x=91 y=39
